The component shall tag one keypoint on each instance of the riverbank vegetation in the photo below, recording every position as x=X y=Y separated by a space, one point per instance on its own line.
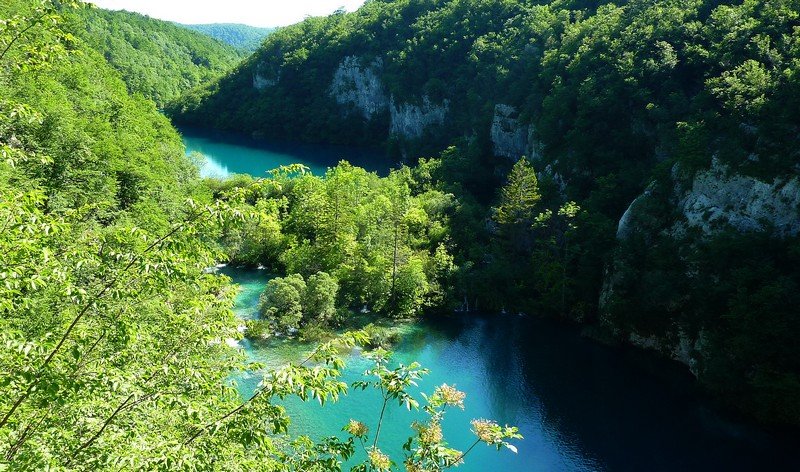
x=113 y=351
x=612 y=101
x=379 y=243
x=113 y=334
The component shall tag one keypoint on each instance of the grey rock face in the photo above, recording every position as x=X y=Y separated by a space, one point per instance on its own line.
x=262 y=79
x=509 y=137
x=359 y=86
x=410 y=121
x=712 y=201
x=717 y=198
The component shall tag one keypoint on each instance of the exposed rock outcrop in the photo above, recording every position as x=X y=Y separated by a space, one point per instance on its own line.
x=718 y=198
x=359 y=86
x=710 y=201
x=511 y=138
x=685 y=350
x=410 y=121
x=263 y=79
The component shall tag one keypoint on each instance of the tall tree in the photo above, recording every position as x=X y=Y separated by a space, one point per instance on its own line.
x=519 y=196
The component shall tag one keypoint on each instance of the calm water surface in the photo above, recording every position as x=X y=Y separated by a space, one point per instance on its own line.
x=581 y=406
x=227 y=154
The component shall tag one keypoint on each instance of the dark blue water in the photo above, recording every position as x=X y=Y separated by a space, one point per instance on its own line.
x=581 y=406
x=227 y=154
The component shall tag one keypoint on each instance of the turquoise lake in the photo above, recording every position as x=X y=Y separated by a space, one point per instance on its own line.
x=581 y=406
x=226 y=154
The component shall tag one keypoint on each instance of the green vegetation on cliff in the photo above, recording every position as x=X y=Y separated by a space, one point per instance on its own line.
x=610 y=101
x=113 y=351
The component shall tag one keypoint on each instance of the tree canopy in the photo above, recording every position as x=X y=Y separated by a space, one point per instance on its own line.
x=243 y=37
x=112 y=328
x=155 y=58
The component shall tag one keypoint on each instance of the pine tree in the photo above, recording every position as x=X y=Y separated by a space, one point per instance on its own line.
x=519 y=196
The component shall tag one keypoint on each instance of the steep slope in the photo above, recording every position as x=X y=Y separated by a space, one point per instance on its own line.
x=687 y=108
x=243 y=37
x=90 y=178
x=103 y=144
x=156 y=58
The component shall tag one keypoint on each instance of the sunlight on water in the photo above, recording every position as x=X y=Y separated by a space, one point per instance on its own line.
x=580 y=406
x=224 y=155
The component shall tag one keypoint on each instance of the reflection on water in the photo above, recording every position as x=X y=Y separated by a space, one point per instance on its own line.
x=580 y=405
x=227 y=154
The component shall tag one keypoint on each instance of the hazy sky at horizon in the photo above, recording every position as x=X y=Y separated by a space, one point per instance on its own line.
x=249 y=12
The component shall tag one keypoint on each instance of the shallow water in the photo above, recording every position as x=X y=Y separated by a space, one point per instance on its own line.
x=580 y=405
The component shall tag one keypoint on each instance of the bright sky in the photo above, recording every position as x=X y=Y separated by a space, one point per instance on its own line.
x=249 y=12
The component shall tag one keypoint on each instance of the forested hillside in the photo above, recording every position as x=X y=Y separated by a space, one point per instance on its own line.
x=243 y=37
x=93 y=190
x=156 y=58
x=114 y=334
x=664 y=207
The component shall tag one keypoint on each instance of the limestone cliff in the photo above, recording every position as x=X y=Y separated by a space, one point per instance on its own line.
x=359 y=86
x=691 y=210
x=410 y=121
x=264 y=77
x=719 y=198
x=510 y=137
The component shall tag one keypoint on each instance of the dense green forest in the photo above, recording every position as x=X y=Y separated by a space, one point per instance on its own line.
x=382 y=241
x=243 y=37
x=156 y=58
x=111 y=325
x=636 y=118
x=639 y=101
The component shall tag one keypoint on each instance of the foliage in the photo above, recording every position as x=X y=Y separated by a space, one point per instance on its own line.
x=155 y=58
x=112 y=327
x=243 y=37
x=258 y=329
x=620 y=96
x=24 y=37
x=519 y=196
x=732 y=297
x=427 y=449
x=380 y=336
x=319 y=302
x=291 y=300
x=384 y=244
x=282 y=301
